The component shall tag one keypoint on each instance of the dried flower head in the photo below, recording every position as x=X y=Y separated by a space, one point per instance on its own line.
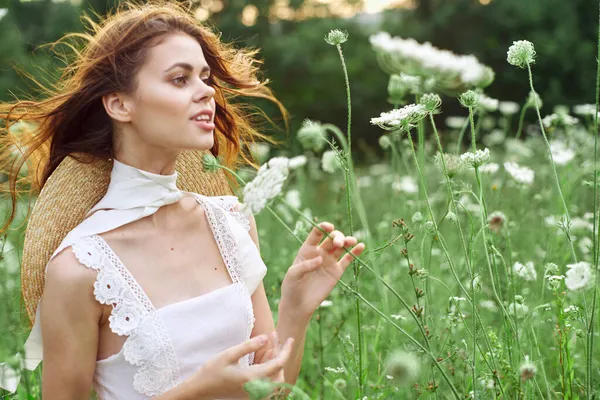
x=496 y=221
x=454 y=163
x=527 y=369
x=403 y=367
x=521 y=54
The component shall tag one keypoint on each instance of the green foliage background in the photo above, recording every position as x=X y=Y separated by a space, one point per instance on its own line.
x=305 y=71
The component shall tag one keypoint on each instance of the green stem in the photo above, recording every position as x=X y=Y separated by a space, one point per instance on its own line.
x=349 y=206
x=590 y=330
x=522 y=119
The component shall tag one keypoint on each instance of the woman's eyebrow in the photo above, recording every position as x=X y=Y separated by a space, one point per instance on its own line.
x=187 y=67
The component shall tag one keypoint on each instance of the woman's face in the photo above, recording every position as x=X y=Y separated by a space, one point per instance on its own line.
x=172 y=90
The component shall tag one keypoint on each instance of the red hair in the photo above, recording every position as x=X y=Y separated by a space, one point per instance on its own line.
x=72 y=119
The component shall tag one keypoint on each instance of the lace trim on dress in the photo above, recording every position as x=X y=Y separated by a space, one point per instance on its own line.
x=148 y=345
x=229 y=203
x=230 y=253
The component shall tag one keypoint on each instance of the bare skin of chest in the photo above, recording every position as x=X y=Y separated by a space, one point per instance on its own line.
x=173 y=256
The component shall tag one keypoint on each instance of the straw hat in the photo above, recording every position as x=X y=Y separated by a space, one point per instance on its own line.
x=70 y=192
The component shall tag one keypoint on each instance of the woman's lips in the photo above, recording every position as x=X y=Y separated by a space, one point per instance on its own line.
x=206 y=125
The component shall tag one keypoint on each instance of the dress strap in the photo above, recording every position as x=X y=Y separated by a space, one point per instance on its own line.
x=229 y=248
x=148 y=345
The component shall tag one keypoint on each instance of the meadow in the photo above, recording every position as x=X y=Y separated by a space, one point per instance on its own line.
x=479 y=279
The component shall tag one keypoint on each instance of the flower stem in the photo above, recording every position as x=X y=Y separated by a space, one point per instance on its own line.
x=590 y=330
x=521 y=120
x=349 y=206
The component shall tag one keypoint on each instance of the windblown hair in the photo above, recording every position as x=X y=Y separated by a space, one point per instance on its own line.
x=72 y=119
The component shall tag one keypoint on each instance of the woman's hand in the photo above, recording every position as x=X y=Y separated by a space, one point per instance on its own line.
x=222 y=378
x=316 y=270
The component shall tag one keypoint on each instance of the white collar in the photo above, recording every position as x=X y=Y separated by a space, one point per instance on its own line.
x=132 y=194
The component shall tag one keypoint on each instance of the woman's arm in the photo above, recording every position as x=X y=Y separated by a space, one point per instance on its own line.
x=288 y=325
x=69 y=319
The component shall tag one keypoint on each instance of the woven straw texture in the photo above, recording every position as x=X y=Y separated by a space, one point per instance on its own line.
x=70 y=192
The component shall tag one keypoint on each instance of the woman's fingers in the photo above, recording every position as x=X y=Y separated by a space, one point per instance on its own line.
x=273 y=366
x=349 y=241
x=315 y=235
x=233 y=354
x=333 y=241
x=300 y=269
x=347 y=259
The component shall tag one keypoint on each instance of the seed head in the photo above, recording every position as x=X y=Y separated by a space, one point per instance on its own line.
x=521 y=54
x=469 y=99
x=210 y=163
x=403 y=367
x=527 y=369
x=336 y=37
x=432 y=103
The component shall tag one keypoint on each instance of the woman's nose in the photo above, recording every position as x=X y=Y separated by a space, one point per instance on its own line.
x=204 y=92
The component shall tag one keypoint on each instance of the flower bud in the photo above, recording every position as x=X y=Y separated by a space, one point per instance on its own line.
x=532 y=99
x=385 y=142
x=259 y=388
x=469 y=99
x=210 y=163
x=336 y=37
x=521 y=54
x=432 y=103
x=311 y=135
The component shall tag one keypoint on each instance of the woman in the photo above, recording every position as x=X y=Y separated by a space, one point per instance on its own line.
x=163 y=298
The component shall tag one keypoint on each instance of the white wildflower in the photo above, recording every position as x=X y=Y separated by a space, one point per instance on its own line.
x=508 y=107
x=260 y=150
x=425 y=59
x=518 y=310
x=579 y=276
x=337 y=370
x=521 y=53
x=585 y=244
x=495 y=137
x=520 y=174
x=297 y=162
x=266 y=185
x=364 y=181
x=585 y=110
x=480 y=157
x=561 y=154
x=488 y=104
x=527 y=271
x=488 y=304
x=489 y=168
x=559 y=120
x=417 y=217
x=400 y=118
x=455 y=122
x=293 y=197
x=311 y=135
x=406 y=184
x=330 y=161
x=398 y=317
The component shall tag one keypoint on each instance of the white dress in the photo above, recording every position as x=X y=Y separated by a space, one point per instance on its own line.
x=167 y=345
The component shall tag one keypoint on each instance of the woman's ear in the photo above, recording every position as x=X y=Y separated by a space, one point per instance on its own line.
x=117 y=107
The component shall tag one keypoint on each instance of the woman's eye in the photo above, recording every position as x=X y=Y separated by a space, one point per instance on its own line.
x=180 y=80
x=207 y=80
